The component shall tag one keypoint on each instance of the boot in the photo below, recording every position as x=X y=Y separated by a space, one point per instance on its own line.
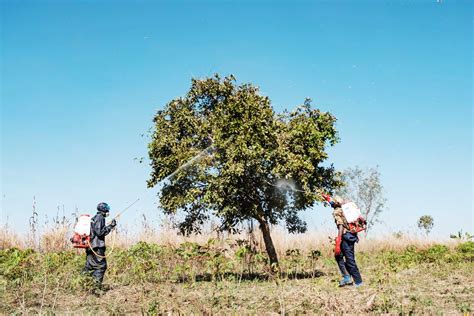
x=346 y=280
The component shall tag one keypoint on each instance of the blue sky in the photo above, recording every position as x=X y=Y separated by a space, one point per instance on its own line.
x=81 y=81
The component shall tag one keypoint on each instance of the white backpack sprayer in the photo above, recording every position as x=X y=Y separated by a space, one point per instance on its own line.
x=352 y=214
x=82 y=230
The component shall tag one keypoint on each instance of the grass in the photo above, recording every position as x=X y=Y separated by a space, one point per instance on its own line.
x=230 y=275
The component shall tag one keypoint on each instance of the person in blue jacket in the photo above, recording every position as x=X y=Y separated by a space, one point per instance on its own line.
x=96 y=261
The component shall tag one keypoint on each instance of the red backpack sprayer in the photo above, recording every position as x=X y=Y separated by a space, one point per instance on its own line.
x=82 y=230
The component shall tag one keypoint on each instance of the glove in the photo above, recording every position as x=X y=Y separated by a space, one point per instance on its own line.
x=327 y=197
x=337 y=248
x=113 y=223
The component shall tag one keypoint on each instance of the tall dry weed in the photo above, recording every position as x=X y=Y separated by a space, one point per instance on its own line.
x=56 y=239
x=9 y=239
x=56 y=234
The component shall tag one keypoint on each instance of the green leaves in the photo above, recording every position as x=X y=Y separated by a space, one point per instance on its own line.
x=252 y=147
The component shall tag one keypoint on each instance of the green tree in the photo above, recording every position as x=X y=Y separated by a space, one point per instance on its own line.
x=364 y=187
x=221 y=150
x=426 y=223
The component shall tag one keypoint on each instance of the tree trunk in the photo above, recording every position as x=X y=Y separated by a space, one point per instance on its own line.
x=267 y=238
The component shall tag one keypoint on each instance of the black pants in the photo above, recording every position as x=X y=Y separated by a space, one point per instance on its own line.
x=95 y=265
x=346 y=260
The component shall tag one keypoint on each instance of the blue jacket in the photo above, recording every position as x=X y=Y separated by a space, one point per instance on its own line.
x=99 y=230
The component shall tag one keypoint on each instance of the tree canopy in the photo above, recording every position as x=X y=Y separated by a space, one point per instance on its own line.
x=426 y=223
x=222 y=150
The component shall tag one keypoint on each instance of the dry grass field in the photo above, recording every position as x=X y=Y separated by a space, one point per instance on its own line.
x=163 y=273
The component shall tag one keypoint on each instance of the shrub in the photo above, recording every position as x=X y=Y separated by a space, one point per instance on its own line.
x=146 y=250
x=466 y=250
x=141 y=262
x=17 y=265
x=189 y=249
x=435 y=253
x=466 y=247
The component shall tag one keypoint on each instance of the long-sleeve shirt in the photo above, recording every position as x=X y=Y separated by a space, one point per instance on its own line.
x=339 y=219
x=99 y=230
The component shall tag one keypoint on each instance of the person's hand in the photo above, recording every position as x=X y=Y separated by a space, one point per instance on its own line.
x=113 y=223
x=327 y=197
x=337 y=248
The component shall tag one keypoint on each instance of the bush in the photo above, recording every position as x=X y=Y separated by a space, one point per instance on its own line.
x=412 y=256
x=435 y=253
x=409 y=257
x=466 y=250
x=17 y=265
x=139 y=263
x=466 y=247
x=146 y=250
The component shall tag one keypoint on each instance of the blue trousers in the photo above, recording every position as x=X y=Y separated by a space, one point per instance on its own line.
x=346 y=260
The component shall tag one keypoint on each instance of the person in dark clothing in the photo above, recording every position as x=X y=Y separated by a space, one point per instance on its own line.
x=96 y=262
x=344 y=248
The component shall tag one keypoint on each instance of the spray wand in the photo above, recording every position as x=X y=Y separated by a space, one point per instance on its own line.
x=118 y=215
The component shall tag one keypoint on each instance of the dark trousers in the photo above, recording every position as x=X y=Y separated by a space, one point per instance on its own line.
x=95 y=265
x=346 y=260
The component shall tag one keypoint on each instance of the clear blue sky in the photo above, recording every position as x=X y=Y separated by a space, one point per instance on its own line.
x=81 y=80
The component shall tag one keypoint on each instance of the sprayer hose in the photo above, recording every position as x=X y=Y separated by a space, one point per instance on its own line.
x=110 y=252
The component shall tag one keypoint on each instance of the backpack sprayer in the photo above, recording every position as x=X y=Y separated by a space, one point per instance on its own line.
x=352 y=214
x=82 y=230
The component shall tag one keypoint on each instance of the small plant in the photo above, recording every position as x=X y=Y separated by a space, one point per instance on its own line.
x=464 y=307
x=83 y=281
x=314 y=256
x=426 y=223
x=153 y=308
x=246 y=255
x=294 y=259
x=293 y=253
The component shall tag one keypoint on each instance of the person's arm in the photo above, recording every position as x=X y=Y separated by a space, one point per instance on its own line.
x=100 y=229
